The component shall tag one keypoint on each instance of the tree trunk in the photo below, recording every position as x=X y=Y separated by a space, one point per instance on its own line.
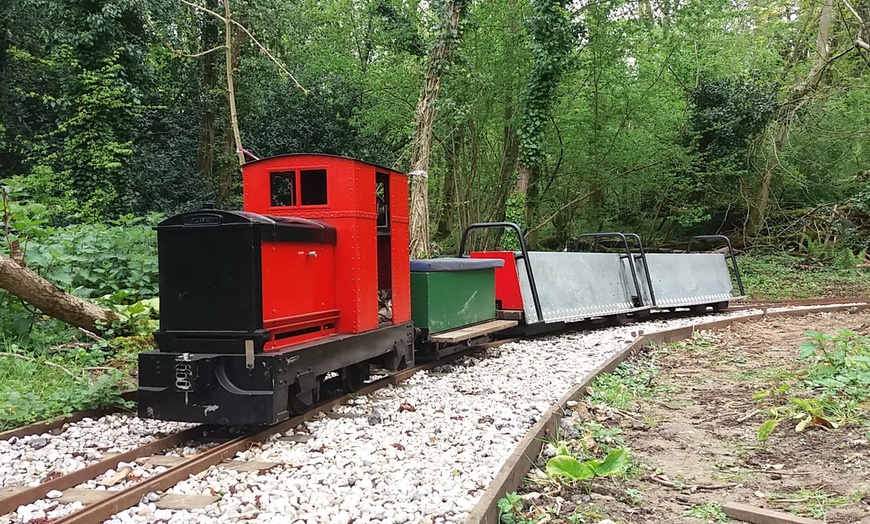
x=439 y=60
x=227 y=169
x=232 y=61
x=205 y=154
x=798 y=97
x=448 y=184
x=551 y=30
x=22 y=282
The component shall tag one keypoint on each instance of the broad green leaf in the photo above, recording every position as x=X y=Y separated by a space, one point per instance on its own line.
x=803 y=404
x=614 y=463
x=807 y=349
x=758 y=395
x=570 y=467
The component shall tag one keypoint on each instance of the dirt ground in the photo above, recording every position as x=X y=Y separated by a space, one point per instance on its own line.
x=696 y=438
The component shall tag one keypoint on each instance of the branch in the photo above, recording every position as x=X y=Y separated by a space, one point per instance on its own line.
x=690 y=487
x=854 y=12
x=859 y=40
x=167 y=45
x=253 y=39
x=551 y=217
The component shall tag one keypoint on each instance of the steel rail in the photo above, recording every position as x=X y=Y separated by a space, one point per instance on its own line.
x=11 y=502
x=131 y=496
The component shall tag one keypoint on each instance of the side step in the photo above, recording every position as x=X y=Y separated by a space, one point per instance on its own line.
x=467 y=332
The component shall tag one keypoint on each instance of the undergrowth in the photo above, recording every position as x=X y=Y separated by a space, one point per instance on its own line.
x=35 y=385
x=49 y=368
x=835 y=386
x=782 y=276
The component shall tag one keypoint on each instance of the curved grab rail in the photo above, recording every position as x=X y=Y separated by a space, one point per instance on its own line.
x=652 y=294
x=523 y=250
x=730 y=254
x=623 y=237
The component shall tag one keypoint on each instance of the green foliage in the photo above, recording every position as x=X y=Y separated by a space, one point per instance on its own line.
x=786 y=276
x=81 y=158
x=630 y=381
x=114 y=264
x=813 y=502
x=515 y=211
x=553 y=35
x=32 y=390
x=838 y=373
x=838 y=363
x=727 y=113
x=510 y=510
x=708 y=512
x=567 y=466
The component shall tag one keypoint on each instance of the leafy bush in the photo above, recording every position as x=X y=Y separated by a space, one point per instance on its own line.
x=839 y=364
x=116 y=261
x=114 y=264
x=838 y=375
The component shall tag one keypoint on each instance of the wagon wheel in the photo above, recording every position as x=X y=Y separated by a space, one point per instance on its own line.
x=353 y=377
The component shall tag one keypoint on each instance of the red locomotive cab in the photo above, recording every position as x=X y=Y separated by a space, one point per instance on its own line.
x=357 y=285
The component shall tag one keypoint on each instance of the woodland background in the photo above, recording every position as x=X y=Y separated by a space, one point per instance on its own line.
x=656 y=116
x=667 y=118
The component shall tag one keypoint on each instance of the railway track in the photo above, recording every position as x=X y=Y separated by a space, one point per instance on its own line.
x=768 y=304
x=184 y=467
x=119 y=500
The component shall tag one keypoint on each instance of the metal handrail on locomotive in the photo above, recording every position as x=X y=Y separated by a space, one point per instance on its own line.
x=311 y=285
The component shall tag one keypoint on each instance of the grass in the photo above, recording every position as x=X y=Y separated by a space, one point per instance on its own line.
x=708 y=512
x=630 y=381
x=811 y=502
x=38 y=384
x=782 y=276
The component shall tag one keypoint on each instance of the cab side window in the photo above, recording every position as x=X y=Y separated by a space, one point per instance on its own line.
x=283 y=188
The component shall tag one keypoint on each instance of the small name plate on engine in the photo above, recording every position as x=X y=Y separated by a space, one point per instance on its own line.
x=203 y=220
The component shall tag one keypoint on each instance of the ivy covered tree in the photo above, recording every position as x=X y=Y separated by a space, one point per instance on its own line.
x=553 y=35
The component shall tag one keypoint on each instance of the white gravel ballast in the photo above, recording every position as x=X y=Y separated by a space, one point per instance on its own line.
x=423 y=451
x=27 y=460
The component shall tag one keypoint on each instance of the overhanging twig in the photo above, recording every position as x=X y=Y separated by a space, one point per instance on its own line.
x=253 y=39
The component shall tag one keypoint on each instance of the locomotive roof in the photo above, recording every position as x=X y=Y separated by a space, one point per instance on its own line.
x=286 y=155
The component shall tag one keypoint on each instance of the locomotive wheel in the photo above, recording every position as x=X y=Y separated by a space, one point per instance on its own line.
x=353 y=377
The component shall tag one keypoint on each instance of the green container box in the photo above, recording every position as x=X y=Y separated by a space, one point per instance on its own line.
x=445 y=300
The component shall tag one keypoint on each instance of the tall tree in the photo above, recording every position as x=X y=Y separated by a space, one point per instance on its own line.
x=553 y=35
x=448 y=16
x=831 y=32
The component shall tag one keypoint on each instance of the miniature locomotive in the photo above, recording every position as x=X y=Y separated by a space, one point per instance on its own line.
x=312 y=284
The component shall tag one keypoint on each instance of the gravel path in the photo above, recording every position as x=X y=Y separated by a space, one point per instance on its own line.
x=27 y=460
x=423 y=451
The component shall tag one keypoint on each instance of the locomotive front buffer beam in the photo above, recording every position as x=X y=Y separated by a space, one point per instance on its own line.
x=222 y=389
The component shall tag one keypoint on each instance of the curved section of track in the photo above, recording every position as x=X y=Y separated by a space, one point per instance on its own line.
x=464 y=419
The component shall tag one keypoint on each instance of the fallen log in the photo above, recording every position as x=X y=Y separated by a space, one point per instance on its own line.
x=25 y=284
